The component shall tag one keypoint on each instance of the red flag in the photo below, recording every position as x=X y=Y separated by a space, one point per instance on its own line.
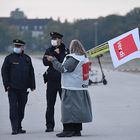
x=125 y=46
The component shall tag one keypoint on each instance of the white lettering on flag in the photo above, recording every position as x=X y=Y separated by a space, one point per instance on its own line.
x=125 y=47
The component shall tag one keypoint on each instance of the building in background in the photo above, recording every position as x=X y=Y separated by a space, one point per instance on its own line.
x=18 y=18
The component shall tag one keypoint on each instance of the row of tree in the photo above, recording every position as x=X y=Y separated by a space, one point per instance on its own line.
x=105 y=28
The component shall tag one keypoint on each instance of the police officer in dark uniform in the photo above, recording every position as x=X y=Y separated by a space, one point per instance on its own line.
x=18 y=76
x=53 y=77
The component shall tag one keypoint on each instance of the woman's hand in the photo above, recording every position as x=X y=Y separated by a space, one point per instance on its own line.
x=49 y=57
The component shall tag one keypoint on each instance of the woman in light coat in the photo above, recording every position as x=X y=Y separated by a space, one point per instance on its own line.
x=75 y=104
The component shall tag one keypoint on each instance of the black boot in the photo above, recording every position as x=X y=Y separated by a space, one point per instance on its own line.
x=62 y=134
x=20 y=131
x=69 y=134
x=14 y=132
x=77 y=133
x=49 y=130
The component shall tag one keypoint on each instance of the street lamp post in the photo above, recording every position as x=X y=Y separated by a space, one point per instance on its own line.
x=103 y=80
x=96 y=33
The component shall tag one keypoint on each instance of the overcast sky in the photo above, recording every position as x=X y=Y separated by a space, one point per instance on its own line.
x=70 y=9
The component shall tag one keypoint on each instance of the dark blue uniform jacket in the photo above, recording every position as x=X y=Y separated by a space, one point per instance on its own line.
x=18 y=72
x=54 y=75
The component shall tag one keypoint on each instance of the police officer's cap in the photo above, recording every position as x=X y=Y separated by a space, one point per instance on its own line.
x=18 y=42
x=56 y=35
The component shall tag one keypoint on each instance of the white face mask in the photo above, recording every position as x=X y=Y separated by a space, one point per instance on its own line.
x=54 y=42
x=17 y=50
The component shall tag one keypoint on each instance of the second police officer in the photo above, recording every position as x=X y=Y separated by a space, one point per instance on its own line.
x=53 y=77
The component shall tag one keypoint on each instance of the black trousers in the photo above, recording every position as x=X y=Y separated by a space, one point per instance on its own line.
x=72 y=126
x=17 y=102
x=51 y=94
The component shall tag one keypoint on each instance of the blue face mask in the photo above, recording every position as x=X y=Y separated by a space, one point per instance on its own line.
x=17 y=50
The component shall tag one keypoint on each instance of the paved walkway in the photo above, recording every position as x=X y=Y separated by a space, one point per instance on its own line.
x=116 y=110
